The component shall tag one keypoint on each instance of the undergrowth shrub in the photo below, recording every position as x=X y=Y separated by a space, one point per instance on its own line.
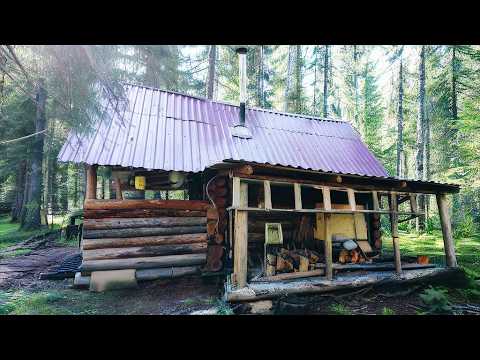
x=436 y=300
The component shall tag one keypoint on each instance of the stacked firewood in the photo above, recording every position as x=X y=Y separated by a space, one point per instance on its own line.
x=351 y=256
x=144 y=234
x=218 y=193
x=283 y=260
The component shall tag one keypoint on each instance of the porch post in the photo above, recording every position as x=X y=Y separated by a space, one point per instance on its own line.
x=446 y=230
x=91 y=190
x=394 y=227
x=240 y=244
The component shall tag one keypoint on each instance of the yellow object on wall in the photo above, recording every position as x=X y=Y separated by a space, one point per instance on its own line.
x=140 y=182
x=342 y=224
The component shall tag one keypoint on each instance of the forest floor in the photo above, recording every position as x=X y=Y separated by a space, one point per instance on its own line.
x=21 y=292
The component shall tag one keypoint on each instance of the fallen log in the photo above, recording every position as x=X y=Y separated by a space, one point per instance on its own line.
x=165 y=273
x=125 y=223
x=266 y=290
x=140 y=213
x=90 y=244
x=130 y=252
x=143 y=262
x=290 y=276
x=137 y=232
x=146 y=204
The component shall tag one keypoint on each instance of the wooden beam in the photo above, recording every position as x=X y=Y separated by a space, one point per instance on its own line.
x=241 y=239
x=118 y=189
x=448 y=243
x=413 y=203
x=328 y=248
x=394 y=227
x=327 y=203
x=298 y=196
x=91 y=182
x=236 y=192
x=267 y=194
x=351 y=199
x=376 y=204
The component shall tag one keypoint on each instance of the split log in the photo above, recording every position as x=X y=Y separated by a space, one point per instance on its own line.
x=130 y=252
x=90 y=244
x=146 y=204
x=166 y=273
x=138 y=232
x=141 y=213
x=271 y=264
x=143 y=262
x=124 y=223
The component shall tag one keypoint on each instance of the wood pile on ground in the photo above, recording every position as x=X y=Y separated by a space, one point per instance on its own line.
x=167 y=237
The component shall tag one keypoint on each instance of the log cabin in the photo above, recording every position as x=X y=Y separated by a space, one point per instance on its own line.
x=275 y=203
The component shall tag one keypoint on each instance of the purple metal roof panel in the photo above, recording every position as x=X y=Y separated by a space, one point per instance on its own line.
x=164 y=130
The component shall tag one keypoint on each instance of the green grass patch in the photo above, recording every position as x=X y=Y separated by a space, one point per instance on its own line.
x=431 y=245
x=340 y=309
x=54 y=302
x=388 y=311
x=10 y=233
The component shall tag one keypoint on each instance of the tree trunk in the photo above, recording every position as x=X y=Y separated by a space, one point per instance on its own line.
x=288 y=82
x=325 y=81
x=20 y=182
x=400 y=172
x=259 y=77
x=355 y=84
x=420 y=222
x=32 y=217
x=212 y=55
x=298 y=79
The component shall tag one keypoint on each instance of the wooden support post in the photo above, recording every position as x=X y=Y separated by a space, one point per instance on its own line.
x=446 y=230
x=376 y=203
x=91 y=182
x=241 y=239
x=267 y=194
x=394 y=227
x=236 y=192
x=298 y=196
x=118 y=189
x=328 y=248
x=413 y=203
x=351 y=199
x=326 y=198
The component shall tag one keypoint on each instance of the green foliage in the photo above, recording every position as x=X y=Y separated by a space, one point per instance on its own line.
x=388 y=311
x=465 y=228
x=340 y=309
x=223 y=308
x=436 y=299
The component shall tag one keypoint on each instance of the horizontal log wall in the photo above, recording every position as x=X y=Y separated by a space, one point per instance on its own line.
x=145 y=234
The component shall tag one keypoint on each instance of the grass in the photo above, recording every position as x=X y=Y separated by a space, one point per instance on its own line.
x=340 y=309
x=10 y=233
x=431 y=245
x=55 y=302
x=388 y=311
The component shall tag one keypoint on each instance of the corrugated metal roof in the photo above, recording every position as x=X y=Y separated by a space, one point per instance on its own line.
x=159 y=129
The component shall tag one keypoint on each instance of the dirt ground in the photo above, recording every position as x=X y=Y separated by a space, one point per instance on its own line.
x=182 y=296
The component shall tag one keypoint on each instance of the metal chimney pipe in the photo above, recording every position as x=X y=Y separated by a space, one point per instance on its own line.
x=242 y=72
